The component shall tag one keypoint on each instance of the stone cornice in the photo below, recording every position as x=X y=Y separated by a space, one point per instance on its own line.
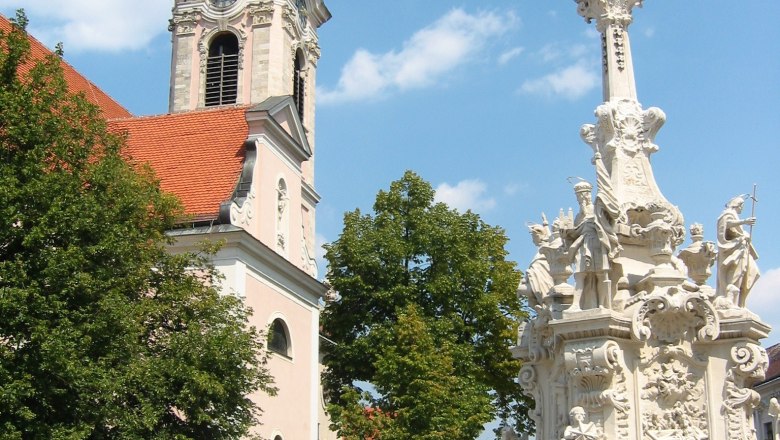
x=240 y=244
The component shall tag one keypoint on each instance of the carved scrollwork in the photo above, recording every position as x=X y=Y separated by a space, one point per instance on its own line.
x=675 y=317
x=242 y=215
x=739 y=402
x=528 y=382
x=751 y=361
x=592 y=366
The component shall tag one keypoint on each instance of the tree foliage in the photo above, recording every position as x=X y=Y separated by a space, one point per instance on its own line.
x=103 y=333
x=426 y=313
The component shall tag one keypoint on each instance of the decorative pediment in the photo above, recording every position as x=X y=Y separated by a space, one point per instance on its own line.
x=277 y=117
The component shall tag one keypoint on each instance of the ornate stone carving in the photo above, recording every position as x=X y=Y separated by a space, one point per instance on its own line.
x=527 y=380
x=607 y=12
x=290 y=21
x=673 y=395
x=282 y=216
x=676 y=316
x=737 y=269
x=592 y=365
x=579 y=428
x=749 y=366
x=184 y=23
x=242 y=215
x=592 y=244
x=640 y=351
x=205 y=38
x=261 y=14
x=622 y=141
x=620 y=49
x=699 y=256
x=537 y=282
x=312 y=49
x=307 y=256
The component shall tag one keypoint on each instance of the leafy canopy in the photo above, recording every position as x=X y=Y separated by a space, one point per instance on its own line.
x=426 y=313
x=103 y=333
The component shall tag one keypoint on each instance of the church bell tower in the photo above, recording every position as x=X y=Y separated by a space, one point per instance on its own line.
x=241 y=52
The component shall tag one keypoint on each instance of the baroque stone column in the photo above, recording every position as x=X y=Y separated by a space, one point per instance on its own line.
x=627 y=340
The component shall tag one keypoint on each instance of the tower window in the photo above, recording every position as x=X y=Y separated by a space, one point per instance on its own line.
x=299 y=83
x=222 y=70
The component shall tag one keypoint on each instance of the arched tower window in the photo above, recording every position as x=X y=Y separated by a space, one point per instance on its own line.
x=279 y=338
x=299 y=83
x=222 y=70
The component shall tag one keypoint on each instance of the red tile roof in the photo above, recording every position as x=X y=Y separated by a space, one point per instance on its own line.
x=196 y=155
x=76 y=82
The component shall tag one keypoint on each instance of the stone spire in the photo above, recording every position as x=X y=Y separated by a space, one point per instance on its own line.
x=623 y=139
x=612 y=19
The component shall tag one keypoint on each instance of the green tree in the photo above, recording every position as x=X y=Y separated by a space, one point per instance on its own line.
x=103 y=333
x=426 y=313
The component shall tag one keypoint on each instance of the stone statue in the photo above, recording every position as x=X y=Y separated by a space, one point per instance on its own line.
x=592 y=245
x=737 y=269
x=579 y=428
x=774 y=412
x=537 y=281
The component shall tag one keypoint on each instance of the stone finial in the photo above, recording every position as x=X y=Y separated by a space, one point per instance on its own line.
x=699 y=256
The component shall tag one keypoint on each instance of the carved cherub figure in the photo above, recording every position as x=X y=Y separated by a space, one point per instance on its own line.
x=579 y=428
x=737 y=269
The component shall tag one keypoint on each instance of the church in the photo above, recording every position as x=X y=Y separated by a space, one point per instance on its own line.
x=237 y=147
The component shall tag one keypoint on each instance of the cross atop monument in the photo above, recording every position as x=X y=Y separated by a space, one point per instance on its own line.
x=612 y=20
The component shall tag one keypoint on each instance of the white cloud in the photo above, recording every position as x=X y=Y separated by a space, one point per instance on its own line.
x=592 y=33
x=649 y=32
x=514 y=188
x=510 y=55
x=432 y=52
x=764 y=299
x=466 y=194
x=550 y=52
x=570 y=82
x=90 y=25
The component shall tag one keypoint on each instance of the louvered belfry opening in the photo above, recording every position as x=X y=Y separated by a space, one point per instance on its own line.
x=299 y=83
x=222 y=71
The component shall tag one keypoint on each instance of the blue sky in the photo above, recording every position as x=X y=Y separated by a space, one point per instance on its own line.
x=485 y=99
